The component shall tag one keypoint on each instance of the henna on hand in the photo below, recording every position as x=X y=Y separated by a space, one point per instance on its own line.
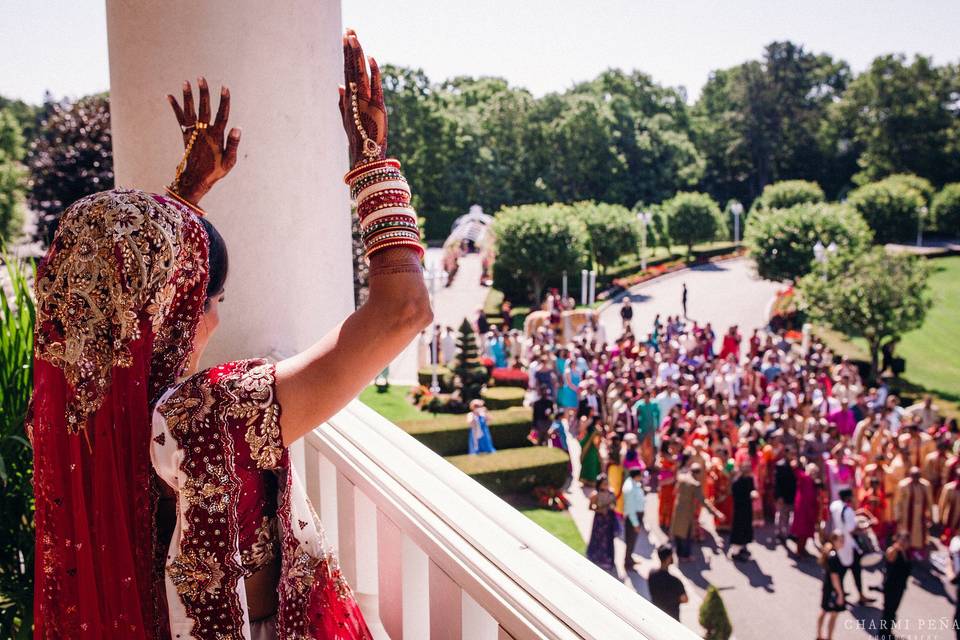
x=209 y=158
x=362 y=107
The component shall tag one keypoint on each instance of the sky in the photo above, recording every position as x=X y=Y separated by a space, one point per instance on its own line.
x=543 y=45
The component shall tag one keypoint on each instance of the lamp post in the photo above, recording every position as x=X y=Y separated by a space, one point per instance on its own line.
x=921 y=214
x=593 y=287
x=583 y=287
x=736 y=209
x=433 y=276
x=644 y=217
x=564 y=286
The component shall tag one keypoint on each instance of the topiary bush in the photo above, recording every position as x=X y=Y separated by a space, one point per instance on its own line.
x=693 y=218
x=612 y=229
x=781 y=240
x=444 y=377
x=787 y=193
x=924 y=186
x=713 y=616
x=891 y=207
x=514 y=471
x=945 y=210
x=503 y=397
x=467 y=365
x=447 y=435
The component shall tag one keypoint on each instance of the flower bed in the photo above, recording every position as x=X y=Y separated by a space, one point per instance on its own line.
x=510 y=377
x=670 y=266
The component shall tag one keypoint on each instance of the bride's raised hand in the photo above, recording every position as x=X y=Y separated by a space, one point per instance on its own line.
x=207 y=156
x=361 y=104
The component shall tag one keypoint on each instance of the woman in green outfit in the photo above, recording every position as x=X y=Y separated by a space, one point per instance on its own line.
x=590 y=455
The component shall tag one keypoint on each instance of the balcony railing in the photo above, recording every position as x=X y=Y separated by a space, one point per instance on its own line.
x=433 y=555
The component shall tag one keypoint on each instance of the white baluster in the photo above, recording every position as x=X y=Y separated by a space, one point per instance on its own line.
x=390 y=569
x=311 y=474
x=445 y=615
x=347 y=528
x=477 y=623
x=416 y=591
x=328 y=500
x=365 y=515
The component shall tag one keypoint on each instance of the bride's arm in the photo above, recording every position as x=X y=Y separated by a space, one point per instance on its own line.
x=315 y=384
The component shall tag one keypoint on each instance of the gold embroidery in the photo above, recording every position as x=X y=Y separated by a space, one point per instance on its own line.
x=116 y=255
x=302 y=570
x=261 y=415
x=196 y=574
x=187 y=407
x=264 y=550
x=209 y=492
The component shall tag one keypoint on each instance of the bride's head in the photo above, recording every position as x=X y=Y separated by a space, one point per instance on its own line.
x=219 y=266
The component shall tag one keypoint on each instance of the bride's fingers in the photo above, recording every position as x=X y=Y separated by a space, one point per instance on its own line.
x=341 y=103
x=177 y=111
x=223 y=111
x=230 y=152
x=376 y=86
x=204 y=115
x=363 y=80
x=189 y=113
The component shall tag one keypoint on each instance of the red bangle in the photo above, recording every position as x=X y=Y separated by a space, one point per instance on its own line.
x=363 y=168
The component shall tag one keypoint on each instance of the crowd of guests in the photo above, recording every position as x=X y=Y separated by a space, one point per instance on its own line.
x=762 y=430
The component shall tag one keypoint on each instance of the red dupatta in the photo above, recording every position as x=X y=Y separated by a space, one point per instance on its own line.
x=119 y=295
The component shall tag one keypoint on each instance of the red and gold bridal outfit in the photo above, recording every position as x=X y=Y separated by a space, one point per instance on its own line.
x=119 y=296
x=217 y=444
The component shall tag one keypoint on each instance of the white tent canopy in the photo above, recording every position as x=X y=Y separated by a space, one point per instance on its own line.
x=473 y=225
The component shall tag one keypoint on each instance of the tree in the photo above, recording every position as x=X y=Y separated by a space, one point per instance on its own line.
x=535 y=243
x=781 y=240
x=891 y=208
x=612 y=229
x=873 y=295
x=713 y=616
x=691 y=218
x=467 y=364
x=71 y=157
x=902 y=118
x=945 y=210
x=13 y=176
x=787 y=193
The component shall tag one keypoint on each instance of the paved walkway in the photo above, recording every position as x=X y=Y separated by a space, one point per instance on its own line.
x=450 y=306
x=773 y=595
x=722 y=293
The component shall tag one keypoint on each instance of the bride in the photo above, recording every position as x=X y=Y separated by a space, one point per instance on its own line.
x=123 y=423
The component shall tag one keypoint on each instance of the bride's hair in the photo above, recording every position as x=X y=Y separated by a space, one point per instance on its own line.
x=218 y=259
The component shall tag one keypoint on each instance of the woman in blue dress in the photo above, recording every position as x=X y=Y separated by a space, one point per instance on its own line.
x=568 y=397
x=480 y=439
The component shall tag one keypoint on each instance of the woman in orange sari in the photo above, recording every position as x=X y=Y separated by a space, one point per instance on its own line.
x=718 y=490
x=667 y=476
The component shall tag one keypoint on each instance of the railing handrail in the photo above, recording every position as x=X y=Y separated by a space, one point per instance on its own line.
x=469 y=512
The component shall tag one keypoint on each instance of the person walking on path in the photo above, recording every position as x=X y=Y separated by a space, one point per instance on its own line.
x=600 y=548
x=897 y=565
x=832 y=601
x=634 y=505
x=626 y=312
x=683 y=300
x=843 y=518
x=741 y=532
x=666 y=590
x=683 y=522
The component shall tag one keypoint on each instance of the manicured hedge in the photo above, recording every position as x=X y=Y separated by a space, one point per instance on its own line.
x=447 y=434
x=444 y=377
x=503 y=397
x=516 y=470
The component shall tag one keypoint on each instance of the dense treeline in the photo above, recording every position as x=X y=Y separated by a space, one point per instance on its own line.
x=622 y=138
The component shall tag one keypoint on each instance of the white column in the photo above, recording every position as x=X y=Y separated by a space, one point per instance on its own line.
x=284 y=210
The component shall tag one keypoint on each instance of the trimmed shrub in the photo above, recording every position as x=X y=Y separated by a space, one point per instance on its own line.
x=922 y=185
x=713 y=616
x=787 y=193
x=693 y=218
x=502 y=397
x=444 y=378
x=446 y=435
x=613 y=231
x=945 y=210
x=516 y=470
x=510 y=377
x=781 y=240
x=891 y=208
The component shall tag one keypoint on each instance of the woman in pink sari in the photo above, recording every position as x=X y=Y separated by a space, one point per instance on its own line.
x=127 y=299
x=806 y=507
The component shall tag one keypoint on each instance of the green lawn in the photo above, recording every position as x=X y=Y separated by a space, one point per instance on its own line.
x=932 y=352
x=559 y=524
x=392 y=405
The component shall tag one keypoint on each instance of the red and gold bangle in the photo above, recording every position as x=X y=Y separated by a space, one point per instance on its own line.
x=352 y=175
x=397 y=243
x=391 y=185
x=382 y=200
x=389 y=214
x=379 y=235
x=377 y=175
x=176 y=196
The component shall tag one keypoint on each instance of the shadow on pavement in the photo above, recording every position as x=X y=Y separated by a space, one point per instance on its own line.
x=758 y=579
